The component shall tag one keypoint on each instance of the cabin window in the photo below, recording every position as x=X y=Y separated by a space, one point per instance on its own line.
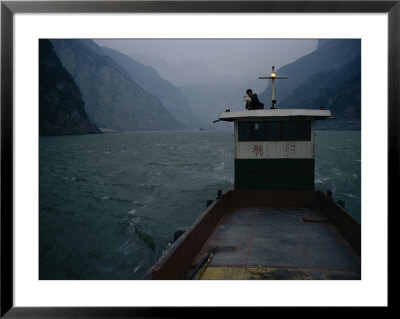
x=245 y=131
x=260 y=129
x=303 y=131
x=289 y=131
x=275 y=131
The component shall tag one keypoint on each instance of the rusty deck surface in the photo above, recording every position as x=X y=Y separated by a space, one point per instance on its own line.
x=266 y=235
x=277 y=243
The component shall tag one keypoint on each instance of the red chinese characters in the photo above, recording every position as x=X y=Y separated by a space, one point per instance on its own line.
x=291 y=149
x=258 y=150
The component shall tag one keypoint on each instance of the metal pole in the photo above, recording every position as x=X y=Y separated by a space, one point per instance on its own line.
x=273 y=94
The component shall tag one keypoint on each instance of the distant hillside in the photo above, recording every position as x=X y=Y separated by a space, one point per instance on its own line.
x=61 y=108
x=112 y=99
x=209 y=94
x=184 y=73
x=337 y=90
x=330 y=77
x=171 y=96
x=210 y=100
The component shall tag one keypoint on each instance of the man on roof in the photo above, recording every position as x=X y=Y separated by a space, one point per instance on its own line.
x=252 y=102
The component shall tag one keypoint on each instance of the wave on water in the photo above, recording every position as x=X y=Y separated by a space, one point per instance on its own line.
x=138 y=267
x=219 y=167
x=131 y=225
x=146 y=238
x=322 y=179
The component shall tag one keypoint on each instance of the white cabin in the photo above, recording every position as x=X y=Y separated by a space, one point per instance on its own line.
x=275 y=148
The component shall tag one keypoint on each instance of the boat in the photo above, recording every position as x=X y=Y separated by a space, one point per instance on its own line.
x=271 y=224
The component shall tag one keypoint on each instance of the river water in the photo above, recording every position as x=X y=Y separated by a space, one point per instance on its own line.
x=109 y=204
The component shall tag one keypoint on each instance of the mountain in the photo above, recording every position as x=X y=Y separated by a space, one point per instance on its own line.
x=337 y=90
x=171 y=96
x=183 y=73
x=330 y=77
x=209 y=94
x=252 y=81
x=112 y=99
x=329 y=55
x=61 y=108
x=210 y=100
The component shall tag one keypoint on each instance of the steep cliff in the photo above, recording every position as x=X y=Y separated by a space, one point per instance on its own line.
x=61 y=108
x=113 y=99
x=337 y=90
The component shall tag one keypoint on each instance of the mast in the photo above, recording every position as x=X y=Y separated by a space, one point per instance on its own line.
x=273 y=76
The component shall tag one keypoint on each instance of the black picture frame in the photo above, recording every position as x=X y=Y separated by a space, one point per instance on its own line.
x=9 y=8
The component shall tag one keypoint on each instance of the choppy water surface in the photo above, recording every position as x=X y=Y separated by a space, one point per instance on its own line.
x=110 y=203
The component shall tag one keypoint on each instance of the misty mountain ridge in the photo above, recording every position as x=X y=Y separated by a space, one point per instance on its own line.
x=305 y=87
x=208 y=94
x=186 y=72
x=210 y=100
x=135 y=92
x=338 y=91
x=149 y=79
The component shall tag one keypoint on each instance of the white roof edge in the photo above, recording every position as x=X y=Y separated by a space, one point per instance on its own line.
x=230 y=116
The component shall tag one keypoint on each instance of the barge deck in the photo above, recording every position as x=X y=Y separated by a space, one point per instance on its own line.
x=265 y=235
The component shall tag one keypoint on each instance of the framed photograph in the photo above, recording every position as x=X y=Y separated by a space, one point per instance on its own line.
x=33 y=284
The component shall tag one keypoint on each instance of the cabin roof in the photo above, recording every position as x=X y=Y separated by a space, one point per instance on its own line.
x=274 y=113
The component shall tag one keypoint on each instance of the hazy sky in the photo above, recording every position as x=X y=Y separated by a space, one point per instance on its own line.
x=224 y=56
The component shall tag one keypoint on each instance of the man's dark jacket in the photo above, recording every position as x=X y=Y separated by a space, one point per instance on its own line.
x=255 y=103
